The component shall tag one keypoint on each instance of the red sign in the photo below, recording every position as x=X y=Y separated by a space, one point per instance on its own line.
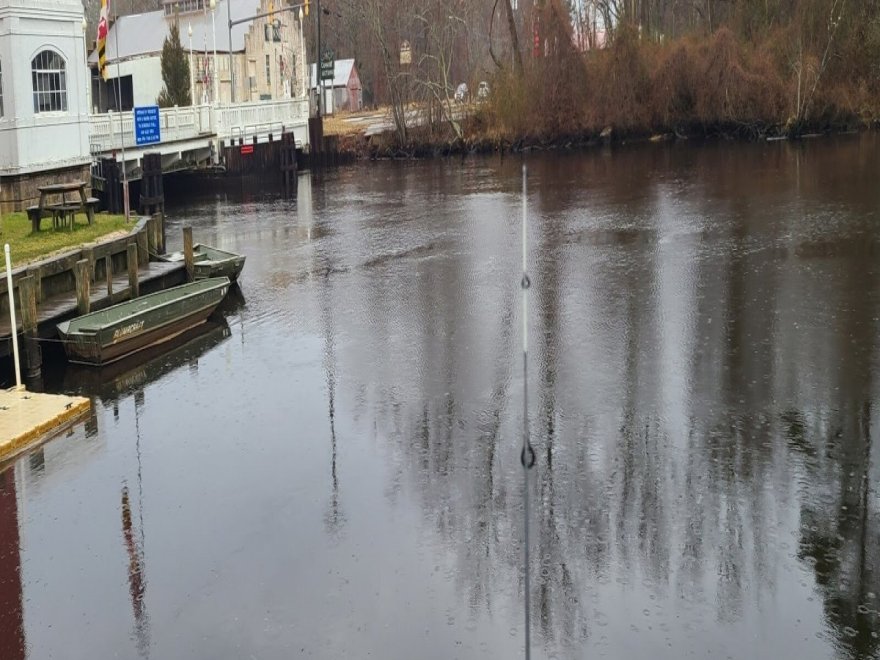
x=247 y=149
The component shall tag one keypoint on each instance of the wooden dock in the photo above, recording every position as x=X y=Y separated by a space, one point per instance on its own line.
x=52 y=310
x=28 y=418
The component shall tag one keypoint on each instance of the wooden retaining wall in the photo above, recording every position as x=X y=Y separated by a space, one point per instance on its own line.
x=56 y=275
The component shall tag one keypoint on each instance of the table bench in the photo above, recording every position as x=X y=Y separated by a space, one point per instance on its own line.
x=64 y=214
x=65 y=211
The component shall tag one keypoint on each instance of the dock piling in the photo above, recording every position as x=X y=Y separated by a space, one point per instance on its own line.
x=108 y=273
x=188 y=253
x=132 y=257
x=33 y=357
x=152 y=240
x=83 y=288
x=288 y=163
x=143 y=246
x=152 y=189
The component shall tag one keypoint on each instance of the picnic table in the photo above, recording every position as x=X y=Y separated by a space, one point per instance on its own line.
x=64 y=212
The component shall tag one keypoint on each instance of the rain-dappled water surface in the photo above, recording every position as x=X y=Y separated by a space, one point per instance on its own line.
x=331 y=468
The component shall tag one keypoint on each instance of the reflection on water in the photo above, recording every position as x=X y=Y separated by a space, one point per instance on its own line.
x=333 y=469
x=130 y=374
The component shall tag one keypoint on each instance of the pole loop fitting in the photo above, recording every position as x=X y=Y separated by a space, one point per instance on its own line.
x=526 y=282
x=528 y=462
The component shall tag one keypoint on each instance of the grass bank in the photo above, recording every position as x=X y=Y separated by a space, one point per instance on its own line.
x=27 y=246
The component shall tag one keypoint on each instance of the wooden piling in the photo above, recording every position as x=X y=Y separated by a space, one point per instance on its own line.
x=152 y=189
x=38 y=282
x=89 y=254
x=112 y=186
x=288 y=163
x=188 y=256
x=143 y=252
x=152 y=241
x=83 y=289
x=33 y=357
x=108 y=268
x=132 y=257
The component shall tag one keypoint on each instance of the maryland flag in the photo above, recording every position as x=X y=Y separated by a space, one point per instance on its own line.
x=102 y=41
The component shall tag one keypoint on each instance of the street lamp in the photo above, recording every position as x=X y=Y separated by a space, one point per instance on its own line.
x=192 y=78
x=216 y=95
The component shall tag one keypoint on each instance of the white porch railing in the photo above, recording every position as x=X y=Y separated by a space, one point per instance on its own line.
x=248 y=120
x=175 y=124
x=241 y=120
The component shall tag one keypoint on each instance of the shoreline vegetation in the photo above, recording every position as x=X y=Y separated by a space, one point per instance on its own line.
x=753 y=70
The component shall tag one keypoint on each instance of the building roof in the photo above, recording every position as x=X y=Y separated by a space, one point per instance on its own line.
x=341 y=73
x=143 y=34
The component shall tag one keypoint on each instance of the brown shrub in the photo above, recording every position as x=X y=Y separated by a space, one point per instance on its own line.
x=730 y=88
x=621 y=86
x=673 y=90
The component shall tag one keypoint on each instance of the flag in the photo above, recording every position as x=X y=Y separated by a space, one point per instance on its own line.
x=102 y=41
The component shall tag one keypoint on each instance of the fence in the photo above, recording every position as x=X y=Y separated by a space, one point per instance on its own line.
x=238 y=121
x=175 y=124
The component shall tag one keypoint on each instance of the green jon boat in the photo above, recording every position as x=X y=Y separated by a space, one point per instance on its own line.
x=110 y=334
x=211 y=262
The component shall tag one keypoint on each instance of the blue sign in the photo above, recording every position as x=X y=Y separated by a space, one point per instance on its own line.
x=146 y=125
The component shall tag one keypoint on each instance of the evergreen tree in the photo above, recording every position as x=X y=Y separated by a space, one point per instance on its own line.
x=175 y=71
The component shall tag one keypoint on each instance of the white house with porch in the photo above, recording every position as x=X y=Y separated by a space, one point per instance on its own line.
x=44 y=108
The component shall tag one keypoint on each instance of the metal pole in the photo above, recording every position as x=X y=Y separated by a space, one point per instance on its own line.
x=121 y=128
x=12 y=318
x=303 y=60
x=231 y=68
x=527 y=458
x=192 y=72
x=319 y=86
x=214 y=61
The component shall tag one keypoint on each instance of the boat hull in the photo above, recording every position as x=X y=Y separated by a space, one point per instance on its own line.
x=211 y=262
x=137 y=331
x=230 y=268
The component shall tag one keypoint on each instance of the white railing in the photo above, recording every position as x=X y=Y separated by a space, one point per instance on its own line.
x=240 y=120
x=248 y=120
x=175 y=124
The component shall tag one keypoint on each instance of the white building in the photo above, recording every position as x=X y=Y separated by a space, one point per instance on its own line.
x=44 y=113
x=266 y=54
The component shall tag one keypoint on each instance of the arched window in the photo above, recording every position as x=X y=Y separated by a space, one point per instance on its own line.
x=50 y=82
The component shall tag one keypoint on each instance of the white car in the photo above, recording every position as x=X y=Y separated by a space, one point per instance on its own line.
x=461 y=93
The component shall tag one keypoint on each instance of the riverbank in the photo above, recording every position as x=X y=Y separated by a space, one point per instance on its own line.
x=423 y=145
x=730 y=84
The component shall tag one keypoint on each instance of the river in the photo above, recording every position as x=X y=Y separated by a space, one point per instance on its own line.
x=331 y=469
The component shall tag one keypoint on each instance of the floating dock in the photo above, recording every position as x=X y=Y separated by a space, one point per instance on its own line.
x=28 y=418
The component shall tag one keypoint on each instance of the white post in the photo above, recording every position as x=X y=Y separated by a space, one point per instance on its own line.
x=14 y=326
x=192 y=72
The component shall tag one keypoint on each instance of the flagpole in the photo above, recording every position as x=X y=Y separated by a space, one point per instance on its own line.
x=125 y=202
